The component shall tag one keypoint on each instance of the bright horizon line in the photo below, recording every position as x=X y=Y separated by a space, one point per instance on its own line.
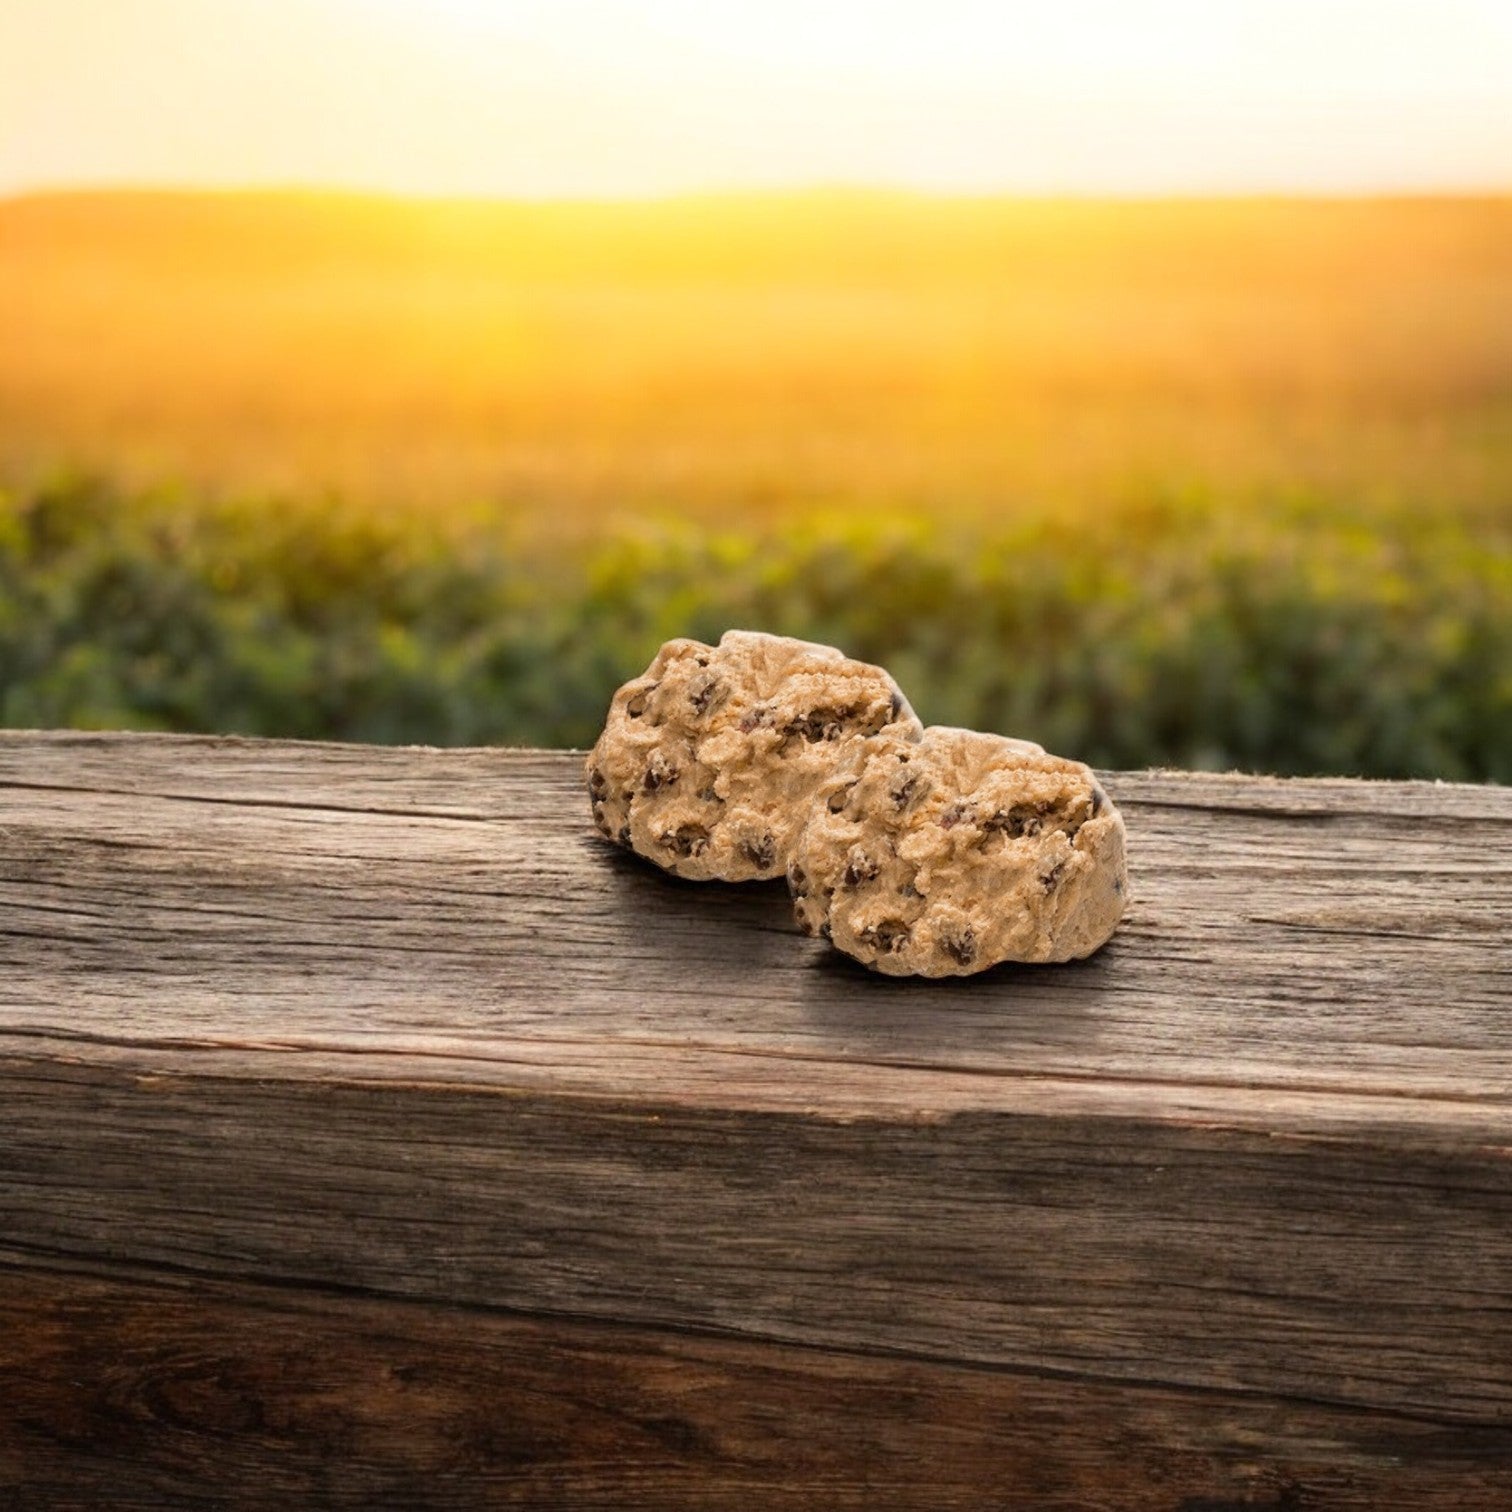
x=797 y=189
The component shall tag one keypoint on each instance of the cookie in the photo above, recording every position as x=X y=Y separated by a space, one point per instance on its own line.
x=948 y=854
x=709 y=762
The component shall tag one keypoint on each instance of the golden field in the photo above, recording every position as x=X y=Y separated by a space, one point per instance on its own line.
x=1205 y=484
x=709 y=355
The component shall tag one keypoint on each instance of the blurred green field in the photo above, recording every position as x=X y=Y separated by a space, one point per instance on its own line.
x=1212 y=484
x=1304 y=639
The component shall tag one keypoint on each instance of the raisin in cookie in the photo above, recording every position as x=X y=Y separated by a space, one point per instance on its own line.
x=708 y=762
x=946 y=855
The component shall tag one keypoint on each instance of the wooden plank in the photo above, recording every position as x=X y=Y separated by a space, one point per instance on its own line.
x=133 y=1392
x=396 y=1022
x=331 y=894
x=1367 y=1268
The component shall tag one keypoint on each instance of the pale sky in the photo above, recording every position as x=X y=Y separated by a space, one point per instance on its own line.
x=608 y=97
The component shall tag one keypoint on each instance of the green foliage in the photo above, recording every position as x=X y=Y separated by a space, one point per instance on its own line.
x=1305 y=637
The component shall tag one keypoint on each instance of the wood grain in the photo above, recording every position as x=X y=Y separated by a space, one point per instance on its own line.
x=299 y=1020
x=138 y=1392
x=1288 y=935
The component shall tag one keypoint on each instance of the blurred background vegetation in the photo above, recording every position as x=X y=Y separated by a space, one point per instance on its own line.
x=1221 y=483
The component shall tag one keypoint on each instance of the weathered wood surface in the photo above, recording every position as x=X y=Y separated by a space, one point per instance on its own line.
x=369 y=1129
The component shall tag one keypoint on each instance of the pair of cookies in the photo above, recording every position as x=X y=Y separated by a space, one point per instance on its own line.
x=931 y=852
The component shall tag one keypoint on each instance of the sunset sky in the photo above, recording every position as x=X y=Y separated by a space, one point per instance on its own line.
x=612 y=98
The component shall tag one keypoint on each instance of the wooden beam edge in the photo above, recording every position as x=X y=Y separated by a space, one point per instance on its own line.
x=666 y=1078
x=1490 y=801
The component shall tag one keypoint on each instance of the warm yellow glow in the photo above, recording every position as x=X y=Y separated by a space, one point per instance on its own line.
x=725 y=356
x=616 y=97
